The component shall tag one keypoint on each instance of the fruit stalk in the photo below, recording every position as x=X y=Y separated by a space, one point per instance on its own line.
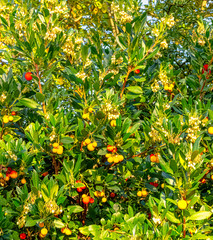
x=40 y=88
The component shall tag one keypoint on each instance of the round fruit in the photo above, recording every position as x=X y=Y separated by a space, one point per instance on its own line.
x=90 y=110
x=101 y=194
x=79 y=189
x=5 y=119
x=144 y=193
x=90 y=147
x=45 y=174
x=55 y=145
x=120 y=158
x=112 y=194
x=63 y=230
x=137 y=71
x=28 y=76
x=116 y=159
x=139 y=193
x=44 y=231
x=113 y=123
x=152 y=157
x=7 y=178
x=41 y=225
x=114 y=150
x=85 y=116
x=55 y=150
x=84 y=195
x=96 y=193
x=10 y=118
x=162 y=185
x=87 y=141
x=94 y=144
x=67 y=231
x=116 y=229
x=108 y=155
x=23 y=181
x=60 y=150
x=210 y=130
x=110 y=159
x=91 y=200
x=86 y=200
x=211 y=177
x=22 y=236
x=84 y=187
x=182 y=204
x=110 y=148
x=13 y=174
x=104 y=199
x=13 y=113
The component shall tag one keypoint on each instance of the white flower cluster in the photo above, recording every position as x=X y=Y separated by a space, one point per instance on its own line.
x=81 y=75
x=156 y=220
x=163 y=77
x=68 y=47
x=11 y=155
x=115 y=7
x=51 y=34
x=52 y=207
x=156 y=32
x=125 y=17
x=201 y=41
x=110 y=111
x=170 y=22
x=194 y=128
x=3 y=97
x=62 y=10
x=164 y=44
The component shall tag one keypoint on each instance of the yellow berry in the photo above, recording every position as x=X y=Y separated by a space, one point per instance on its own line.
x=108 y=155
x=55 y=145
x=87 y=141
x=54 y=150
x=90 y=147
x=162 y=185
x=182 y=204
x=10 y=118
x=144 y=193
x=85 y=116
x=166 y=87
x=23 y=180
x=94 y=144
x=1 y=175
x=110 y=159
x=84 y=195
x=68 y=231
x=210 y=130
x=5 y=119
x=115 y=229
x=116 y=159
x=104 y=199
x=44 y=231
x=101 y=194
x=60 y=150
x=113 y=123
x=96 y=193
x=139 y=193
x=120 y=158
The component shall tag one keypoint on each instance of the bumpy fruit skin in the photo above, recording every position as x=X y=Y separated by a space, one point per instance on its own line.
x=22 y=236
x=112 y=194
x=137 y=71
x=94 y=144
x=54 y=150
x=41 y=225
x=55 y=145
x=86 y=200
x=13 y=174
x=139 y=193
x=210 y=130
x=90 y=147
x=79 y=189
x=60 y=150
x=211 y=177
x=91 y=200
x=87 y=141
x=10 y=118
x=28 y=76
x=101 y=194
x=113 y=123
x=84 y=195
x=144 y=193
x=5 y=119
x=13 y=113
x=23 y=181
x=110 y=148
x=110 y=159
x=182 y=204
x=44 y=231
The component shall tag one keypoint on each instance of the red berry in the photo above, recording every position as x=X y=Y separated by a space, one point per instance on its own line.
x=155 y=185
x=91 y=200
x=206 y=66
x=44 y=174
x=9 y=169
x=84 y=187
x=114 y=150
x=22 y=236
x=28 y=76
x=79 y=189
x=13 y=113
x=112 y=194
x=78 y=181
x=137 y=71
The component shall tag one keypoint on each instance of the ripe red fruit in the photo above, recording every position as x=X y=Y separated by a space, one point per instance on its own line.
x=91 y=200
x=79 y=189
x=205 y=69
x=203 y=180
x=44 y=174
x=112 y=194
x=13 y=113
x=86 y=200
x=28 y=76
x=22 y=236
x=110 y=148
x=13 y=174
x=137 y=71
x=78 y=181
x=84 y=187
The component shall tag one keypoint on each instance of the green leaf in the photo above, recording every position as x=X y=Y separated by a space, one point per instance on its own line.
x=58 y=223
x=40 y=96
x=200 y=215
x=28 y=103
x=75 y=209
x=67 y=140
x=30 y=223
x=135 y=89
x=172 y=217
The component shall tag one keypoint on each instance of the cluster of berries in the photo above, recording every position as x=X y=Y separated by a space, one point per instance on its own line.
x=10 y=174
x=87 y=113
x=154 y=158
x=90 y=145
x=80 y=189
x=113 y=156
x=87 y=199
x=101 y=194
x=169 y=87
x=7 y=119
x=57 y=148
x=142 y=193
x=66 y=231
x=43 y=233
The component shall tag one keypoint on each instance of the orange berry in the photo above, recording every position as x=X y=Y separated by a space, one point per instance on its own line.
x=23 y=181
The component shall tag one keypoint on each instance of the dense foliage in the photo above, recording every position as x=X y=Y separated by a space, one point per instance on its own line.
x=106 y=125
